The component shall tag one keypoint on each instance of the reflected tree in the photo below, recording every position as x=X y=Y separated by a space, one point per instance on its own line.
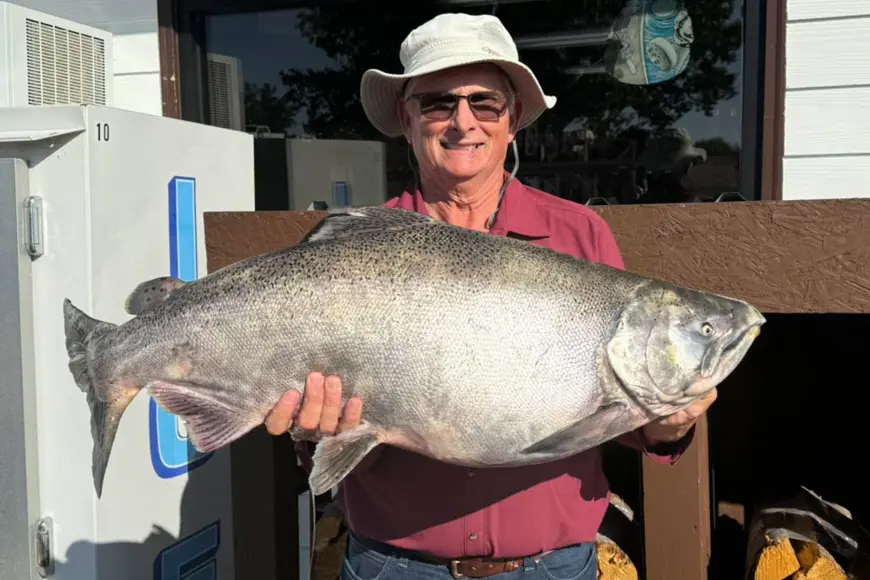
x=263 y=106
x=362 y=35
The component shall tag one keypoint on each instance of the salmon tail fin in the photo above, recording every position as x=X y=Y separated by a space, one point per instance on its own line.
x=106 y=402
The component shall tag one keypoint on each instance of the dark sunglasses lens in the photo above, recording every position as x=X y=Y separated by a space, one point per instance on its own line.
x=440 y=106
x=487 y=106
x=437 y=106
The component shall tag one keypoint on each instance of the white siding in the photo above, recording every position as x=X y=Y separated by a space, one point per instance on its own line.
x=827 y=101
x=820 y=9
x=137 y=73
x=828 y=122
x=137 y=54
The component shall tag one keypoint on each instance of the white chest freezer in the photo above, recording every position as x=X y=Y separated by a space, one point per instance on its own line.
x=93 y=201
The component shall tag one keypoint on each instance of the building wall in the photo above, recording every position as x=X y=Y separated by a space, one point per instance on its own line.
x=827 y=101
x=137 y=54
x=137 y=72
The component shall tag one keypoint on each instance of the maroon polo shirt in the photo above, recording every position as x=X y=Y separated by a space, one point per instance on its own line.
x=413 y=502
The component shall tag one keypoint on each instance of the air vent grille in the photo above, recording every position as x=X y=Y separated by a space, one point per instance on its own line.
x=220 y=102
x=64 y=67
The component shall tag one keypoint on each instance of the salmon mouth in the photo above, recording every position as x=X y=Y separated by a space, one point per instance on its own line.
x=727 y=359
x=721 y=359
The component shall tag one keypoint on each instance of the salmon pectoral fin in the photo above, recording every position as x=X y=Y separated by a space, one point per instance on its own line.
x=335 y=457
x=604 y=424
x=210 y=423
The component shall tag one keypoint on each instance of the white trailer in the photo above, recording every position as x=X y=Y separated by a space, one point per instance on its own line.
x=94 y=200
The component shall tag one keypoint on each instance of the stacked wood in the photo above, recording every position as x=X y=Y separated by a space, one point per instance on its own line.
x=330 y=544
x=613 y=563
x=617 y=541
x=805 y=538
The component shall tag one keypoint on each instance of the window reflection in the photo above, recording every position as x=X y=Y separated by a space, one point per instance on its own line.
x=649 y=97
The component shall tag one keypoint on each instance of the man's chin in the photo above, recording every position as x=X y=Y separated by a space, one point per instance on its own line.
x=463 y=168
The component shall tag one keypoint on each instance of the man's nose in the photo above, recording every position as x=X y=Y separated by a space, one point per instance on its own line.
x=463 y=118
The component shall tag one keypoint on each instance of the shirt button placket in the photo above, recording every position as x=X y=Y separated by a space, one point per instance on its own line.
x=475 y=522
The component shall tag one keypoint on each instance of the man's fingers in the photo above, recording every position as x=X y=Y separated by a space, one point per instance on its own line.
x=331 y=405
x=701 y=405
x=711 y=397
x=312 y=403
x=320 y=409
x=352 y=413
x=281 y=416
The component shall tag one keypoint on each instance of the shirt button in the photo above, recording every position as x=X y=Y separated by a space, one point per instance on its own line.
x=472 y=536
x=470 y=474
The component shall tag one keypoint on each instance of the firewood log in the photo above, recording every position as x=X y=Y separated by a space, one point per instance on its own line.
x=617 y=538
x=330 y=543
x=803 y=538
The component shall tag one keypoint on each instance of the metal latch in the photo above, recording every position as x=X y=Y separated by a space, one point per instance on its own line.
x=33 y=235
x=44 y=541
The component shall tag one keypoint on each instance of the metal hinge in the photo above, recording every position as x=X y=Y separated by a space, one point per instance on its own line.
x=34 y=237
x=43 y=543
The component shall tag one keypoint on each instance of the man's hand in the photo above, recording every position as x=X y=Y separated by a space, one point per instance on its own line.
x=676 y=426
x=320 y=412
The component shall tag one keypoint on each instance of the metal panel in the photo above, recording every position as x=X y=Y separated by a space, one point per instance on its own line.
x=18 y=453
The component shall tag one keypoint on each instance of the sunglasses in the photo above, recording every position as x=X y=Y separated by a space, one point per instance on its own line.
x=486 y=106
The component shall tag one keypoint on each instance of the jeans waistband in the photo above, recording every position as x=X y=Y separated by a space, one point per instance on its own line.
x=390 y=550
x=414 y=555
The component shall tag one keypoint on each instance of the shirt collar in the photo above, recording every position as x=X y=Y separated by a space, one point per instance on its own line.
x=519 y=213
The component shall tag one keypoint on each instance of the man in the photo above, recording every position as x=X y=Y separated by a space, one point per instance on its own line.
x=459 y=103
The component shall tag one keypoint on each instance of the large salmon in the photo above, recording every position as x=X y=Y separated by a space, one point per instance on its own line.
x=470 y=348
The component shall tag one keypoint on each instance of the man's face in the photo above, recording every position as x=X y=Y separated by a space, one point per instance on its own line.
x=463 y=145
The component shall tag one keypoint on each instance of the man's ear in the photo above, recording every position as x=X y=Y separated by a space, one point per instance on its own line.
x=515 y=118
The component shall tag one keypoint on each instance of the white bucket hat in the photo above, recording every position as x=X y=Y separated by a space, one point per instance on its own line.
x=447 y=41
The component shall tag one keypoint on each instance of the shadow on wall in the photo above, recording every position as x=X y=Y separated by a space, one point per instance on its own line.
x=264 y=533
x=160 y=555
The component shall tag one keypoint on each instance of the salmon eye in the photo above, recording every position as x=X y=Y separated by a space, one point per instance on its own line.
x=707 y=329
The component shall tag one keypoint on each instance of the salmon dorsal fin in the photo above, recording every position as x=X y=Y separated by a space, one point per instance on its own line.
x=151 y=292
x=351 y=221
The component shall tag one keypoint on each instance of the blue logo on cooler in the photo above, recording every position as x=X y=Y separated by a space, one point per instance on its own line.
x=191 y=558
x=172 y=453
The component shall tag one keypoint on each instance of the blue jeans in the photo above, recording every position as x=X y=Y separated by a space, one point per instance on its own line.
x=369 y=560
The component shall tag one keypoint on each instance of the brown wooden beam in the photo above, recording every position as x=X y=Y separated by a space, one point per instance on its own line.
x=772 y=146
x=676 y=513
x=784 y=257
x=170 y=78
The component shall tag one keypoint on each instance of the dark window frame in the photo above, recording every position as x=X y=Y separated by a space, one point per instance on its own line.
x=191 y=86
